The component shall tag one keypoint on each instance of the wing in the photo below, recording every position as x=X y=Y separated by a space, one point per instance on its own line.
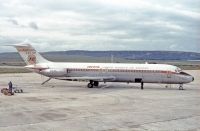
x=87 y=78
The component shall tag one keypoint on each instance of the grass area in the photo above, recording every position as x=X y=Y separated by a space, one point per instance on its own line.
x=12 y=64
x=13 y=70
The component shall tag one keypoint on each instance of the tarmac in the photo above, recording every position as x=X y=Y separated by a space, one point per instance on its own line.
x=71 y=106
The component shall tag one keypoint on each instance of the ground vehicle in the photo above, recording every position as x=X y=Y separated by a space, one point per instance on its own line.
x=17 y=90
x=6 y=92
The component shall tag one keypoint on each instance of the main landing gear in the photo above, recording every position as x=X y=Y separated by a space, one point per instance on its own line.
x=181 y=87
x=92 y=84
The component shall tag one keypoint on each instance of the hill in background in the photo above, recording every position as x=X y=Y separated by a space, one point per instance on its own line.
x=132 y=55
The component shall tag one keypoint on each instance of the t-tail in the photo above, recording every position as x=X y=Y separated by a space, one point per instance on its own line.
x=29 y=54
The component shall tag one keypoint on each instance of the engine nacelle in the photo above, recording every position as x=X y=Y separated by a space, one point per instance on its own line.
x=54 y=72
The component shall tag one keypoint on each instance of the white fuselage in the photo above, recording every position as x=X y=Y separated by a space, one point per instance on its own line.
x=147 y=73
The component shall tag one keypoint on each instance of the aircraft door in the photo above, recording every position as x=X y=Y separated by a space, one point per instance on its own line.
x=67 y=72
x=169 y=74
x=167 y=77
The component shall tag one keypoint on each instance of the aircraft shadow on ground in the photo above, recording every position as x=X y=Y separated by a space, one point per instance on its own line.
x=117 y=86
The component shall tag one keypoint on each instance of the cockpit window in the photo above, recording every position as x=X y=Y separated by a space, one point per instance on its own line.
x=178 y=70
x=183 y=73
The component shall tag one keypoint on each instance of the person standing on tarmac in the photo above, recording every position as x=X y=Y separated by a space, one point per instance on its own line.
x=10 y=86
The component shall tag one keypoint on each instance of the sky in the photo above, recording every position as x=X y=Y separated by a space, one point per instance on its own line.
x=53 y=25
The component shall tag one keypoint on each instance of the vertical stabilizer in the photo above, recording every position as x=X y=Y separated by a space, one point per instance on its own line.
x=29 y=54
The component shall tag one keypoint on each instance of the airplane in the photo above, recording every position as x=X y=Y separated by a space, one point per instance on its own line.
x=102 y=72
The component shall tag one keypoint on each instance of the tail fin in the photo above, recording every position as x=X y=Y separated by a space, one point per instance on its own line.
x=29 y=54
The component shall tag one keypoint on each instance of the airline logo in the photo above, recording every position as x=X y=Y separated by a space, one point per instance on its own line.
x=31 y=59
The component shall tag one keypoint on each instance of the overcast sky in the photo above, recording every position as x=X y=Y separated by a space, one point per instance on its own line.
x=101 y=24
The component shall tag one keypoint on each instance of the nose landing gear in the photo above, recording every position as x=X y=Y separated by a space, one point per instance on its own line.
x=181 y=87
